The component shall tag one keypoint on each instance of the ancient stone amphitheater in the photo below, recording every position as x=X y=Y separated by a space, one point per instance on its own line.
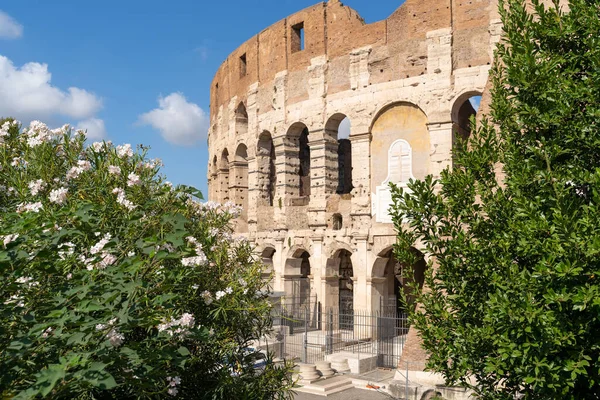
x=312 y=118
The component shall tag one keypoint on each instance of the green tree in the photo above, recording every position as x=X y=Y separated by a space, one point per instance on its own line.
x=512 y=297
x=115 y=284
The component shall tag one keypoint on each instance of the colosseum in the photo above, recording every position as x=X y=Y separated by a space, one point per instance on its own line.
x=311 y=120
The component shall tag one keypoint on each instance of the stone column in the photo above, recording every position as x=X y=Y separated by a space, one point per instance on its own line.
x=317 y=266
x=323 y=172
x=278 y=265
x=253 y=193
x=441 y=137
x=360 y=270
x=361 y=180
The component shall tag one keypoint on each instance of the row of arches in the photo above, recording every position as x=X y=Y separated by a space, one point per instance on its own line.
x=229 y=177
x=388 y=280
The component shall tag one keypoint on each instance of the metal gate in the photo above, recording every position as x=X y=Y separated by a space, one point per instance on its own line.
x=309 y=334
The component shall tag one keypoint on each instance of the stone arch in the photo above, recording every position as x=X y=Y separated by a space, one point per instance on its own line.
x=297 y=277
x=389 y=279
x=267 y=176
x=400 y=143
x=340 y=284
x=462 y=111
x=379 y=113
x=339 y=175
x=214 y=179
x=241 y=120
x=224 y=177
x=297 y=152
x=240 y=179
x=266 y=256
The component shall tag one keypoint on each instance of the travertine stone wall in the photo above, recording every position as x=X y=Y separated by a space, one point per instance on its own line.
x=401 y=82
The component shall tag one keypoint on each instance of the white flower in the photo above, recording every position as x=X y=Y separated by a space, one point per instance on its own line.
x=36 y=186
x=187 y=320
x=84 y=165
x=172 y=391
x=242 y=282
x=207 y=297
x=131 y=254
x=197 y=261
x=69 y=276
x=47 y=333
x=30 y=207
x=9 y=238
x=124 y=150
x=133 y=179
x=59 y=196
x=115 y=337
x=229 y=290
x=114 y=170
x=220 y=294
x=15 y=162
x=97 y=146
x=122 y=200
x=107 y=260
x=98 y=247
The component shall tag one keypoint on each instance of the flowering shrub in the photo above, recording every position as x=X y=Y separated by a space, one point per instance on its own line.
x=115 y=284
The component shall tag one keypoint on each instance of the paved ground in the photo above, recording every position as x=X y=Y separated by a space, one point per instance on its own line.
x=352 y=394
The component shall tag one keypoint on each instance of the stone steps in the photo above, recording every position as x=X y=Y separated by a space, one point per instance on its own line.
x=327 y=387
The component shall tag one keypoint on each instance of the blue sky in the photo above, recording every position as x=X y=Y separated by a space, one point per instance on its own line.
x=141 y=69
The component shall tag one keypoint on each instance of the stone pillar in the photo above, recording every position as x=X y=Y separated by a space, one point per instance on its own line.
x=317 y=267
x=360 y=270
x=361 y=180
x=253 y=194
x=224 y=185
x=279 y=265
x=323 y=172
x=441 y=137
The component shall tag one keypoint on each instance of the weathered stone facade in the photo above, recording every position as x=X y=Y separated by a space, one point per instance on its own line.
x=316 y=206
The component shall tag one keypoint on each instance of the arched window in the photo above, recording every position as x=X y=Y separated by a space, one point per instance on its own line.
x=297 y=150
x=241 y=120
x=267 y=179
x=337 y=222
x=464 y=109
x=224 y=177
x=240 y=179
x=338 y=130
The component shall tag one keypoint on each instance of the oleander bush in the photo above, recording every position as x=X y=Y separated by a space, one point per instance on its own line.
x=115 y=284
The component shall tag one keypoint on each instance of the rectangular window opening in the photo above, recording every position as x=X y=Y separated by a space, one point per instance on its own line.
x=243 y=65
x=298 y=37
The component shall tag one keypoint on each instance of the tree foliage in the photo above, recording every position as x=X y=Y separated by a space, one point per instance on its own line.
x=115 y=284
x=512 y=299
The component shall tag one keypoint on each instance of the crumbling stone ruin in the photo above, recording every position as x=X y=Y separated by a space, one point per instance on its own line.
x=316 y=198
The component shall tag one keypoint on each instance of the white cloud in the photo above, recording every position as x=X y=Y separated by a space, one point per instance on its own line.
x=26 y=94
x=94 y=127
x=9 y=27
x=178 y=121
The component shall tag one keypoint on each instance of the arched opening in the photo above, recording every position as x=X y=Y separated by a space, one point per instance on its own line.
x=240 y=179
x=224 y=177
x=337 y=222
x=465 y=108
x=214 y=180
x=267 y=178
x=395 y=283
x=400 y=150
x=340 y=288
x=266 y=257
x=241 y=120
x=298 y=149
x=338 y=131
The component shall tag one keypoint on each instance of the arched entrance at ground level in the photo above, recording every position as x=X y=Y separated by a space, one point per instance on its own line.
x=390 y=283
x=297 y=280
x=340 y=287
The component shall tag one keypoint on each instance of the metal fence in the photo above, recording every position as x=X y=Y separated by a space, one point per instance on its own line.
x=308 y=334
